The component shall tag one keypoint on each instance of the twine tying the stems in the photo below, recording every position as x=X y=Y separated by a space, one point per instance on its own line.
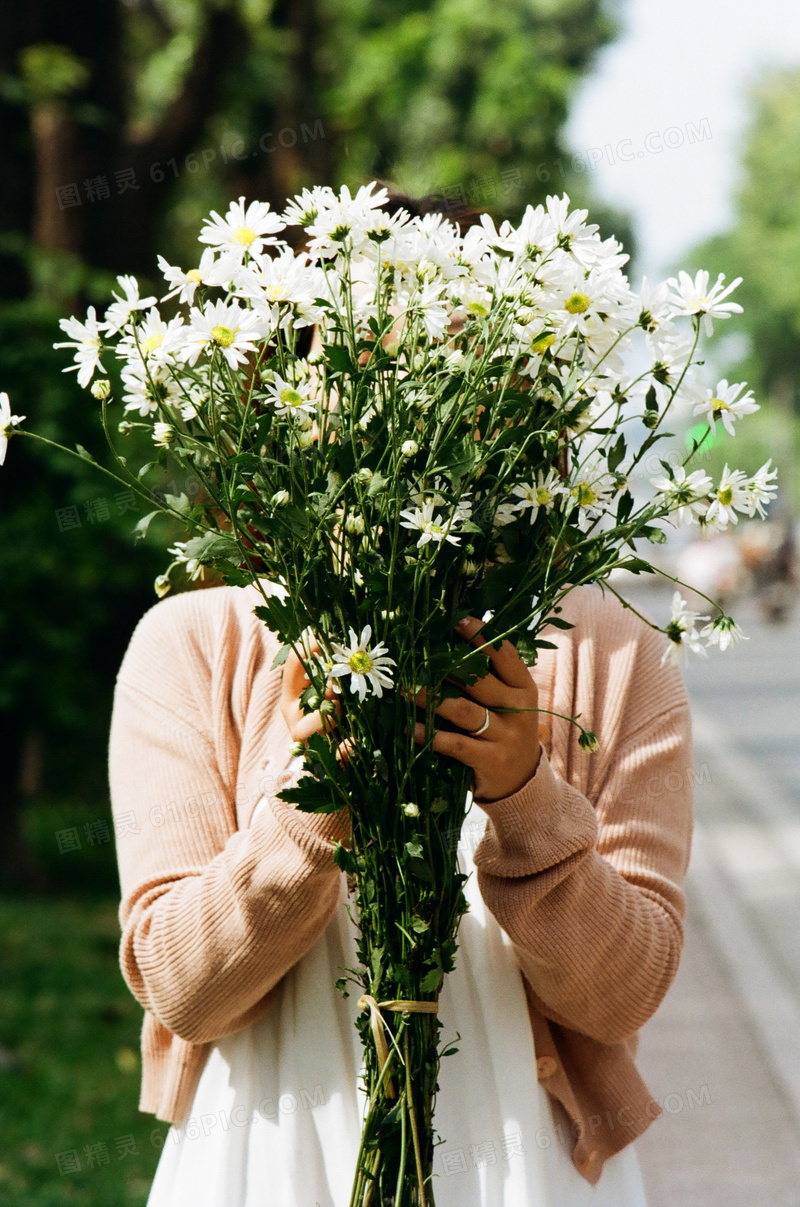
x=367 y=1002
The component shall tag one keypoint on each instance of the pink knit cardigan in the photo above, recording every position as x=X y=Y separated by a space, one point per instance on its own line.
x=582 y=867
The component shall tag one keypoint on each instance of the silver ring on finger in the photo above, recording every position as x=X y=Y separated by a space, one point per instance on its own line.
x=483 y=728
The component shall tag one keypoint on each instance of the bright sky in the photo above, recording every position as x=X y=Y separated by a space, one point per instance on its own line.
x=679 y=72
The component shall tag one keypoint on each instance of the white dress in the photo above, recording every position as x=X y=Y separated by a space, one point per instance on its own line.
x=276 y=1117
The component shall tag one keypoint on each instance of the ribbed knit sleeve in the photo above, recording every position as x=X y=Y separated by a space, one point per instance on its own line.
x=583 y=869
x=212 y=916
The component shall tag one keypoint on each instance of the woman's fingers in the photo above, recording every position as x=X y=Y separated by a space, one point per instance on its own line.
x=506 y=662
x=301 y=725
x=465 y=713
x=456 y=745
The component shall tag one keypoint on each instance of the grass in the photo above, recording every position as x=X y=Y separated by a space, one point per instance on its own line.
x=69 y=1059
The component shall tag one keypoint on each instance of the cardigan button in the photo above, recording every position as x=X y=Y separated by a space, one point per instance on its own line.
x=546 y=1066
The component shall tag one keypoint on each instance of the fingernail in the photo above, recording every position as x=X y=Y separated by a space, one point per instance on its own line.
x=463 y=624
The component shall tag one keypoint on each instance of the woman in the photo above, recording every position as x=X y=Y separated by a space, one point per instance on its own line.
x=235 y=928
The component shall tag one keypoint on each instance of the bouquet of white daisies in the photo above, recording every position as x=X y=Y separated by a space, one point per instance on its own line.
x=459 y=440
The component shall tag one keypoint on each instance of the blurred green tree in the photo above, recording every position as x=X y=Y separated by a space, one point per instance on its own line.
x=763 y=244
x=121 y=123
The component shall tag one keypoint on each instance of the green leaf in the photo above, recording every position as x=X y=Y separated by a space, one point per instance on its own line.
x=656 y=536
x=280 y=657
x=414 y=850
x=344 y=859
x=382 y=765
x=376 y=484
x=339 y=358
x=140 y=529
x=211 y=546
x=616 y=454
x=431 y=982
x=558 y=623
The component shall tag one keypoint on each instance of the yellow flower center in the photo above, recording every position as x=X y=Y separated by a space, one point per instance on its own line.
x=360 y=662
x=194 y=275
x=223 y=336
x=542 y=343
x=276 y=293
x=151 y=343
x=478 y=308
x=290 y=397
x=577 y=304
x=543 y=496
x=725 y=496
x=719 y=404
x=584 y=494
x=244 y=235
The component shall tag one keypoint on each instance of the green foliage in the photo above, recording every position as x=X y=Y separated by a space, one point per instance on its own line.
x=73 y=586
x=437 y=94
x=69 y=1074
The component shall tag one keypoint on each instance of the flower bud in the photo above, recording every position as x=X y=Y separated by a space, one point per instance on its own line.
x=161 y=586
x=164 y=434
x=101 y=389
x=305 y=439
x=588 y=741
x=410 y=809
x=280 y=498
x=298 y=749
x=354 y=524
x=327 y=708
x=364 y=476
x=409 y=448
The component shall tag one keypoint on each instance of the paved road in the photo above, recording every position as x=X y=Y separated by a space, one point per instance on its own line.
x=722 y=1054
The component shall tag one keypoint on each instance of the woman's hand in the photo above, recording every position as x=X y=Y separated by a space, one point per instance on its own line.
x=506 y=754
x=300 y=724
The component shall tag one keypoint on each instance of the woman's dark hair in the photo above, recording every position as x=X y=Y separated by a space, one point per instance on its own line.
x=459 y=213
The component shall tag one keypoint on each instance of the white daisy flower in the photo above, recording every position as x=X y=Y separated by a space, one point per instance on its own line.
x=86 y=339
x=285 y=286
x=343 y=220
x=210 y=271
x=591 y=488
x=431 y=526
x=146 y=388
x=504 y=514
x=724 y=403
x=118 y=314
x=688 y=494
x=544 y=492
x=367 y=668
x=224 y=326
x=570 y=231
x=154 y=340
x=760 y=489
x=290 y=399
x=694 y=297
x=729 y=497
x=655 y=306
x=243 y=229
x=431 y=307
x=723 y=631
x=682 y=632
x=305 y=207
x=7 y=423
x=194 y=568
